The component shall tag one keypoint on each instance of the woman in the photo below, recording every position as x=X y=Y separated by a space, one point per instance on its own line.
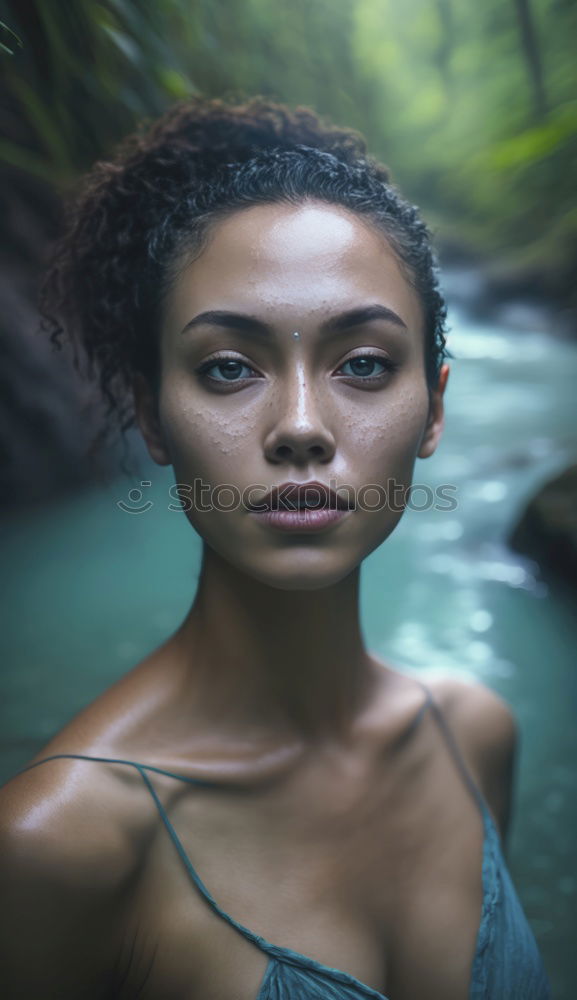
x=261 y=808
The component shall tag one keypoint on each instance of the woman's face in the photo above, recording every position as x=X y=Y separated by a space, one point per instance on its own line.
x=325 y=406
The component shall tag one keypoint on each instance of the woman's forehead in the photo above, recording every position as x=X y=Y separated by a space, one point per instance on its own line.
x=307 y=256
x=309 y=235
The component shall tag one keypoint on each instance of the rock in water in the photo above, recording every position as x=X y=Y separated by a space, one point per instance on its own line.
x=547 y=529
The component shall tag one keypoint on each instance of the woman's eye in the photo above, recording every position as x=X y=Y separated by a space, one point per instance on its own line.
x=366 y=366
x=228 y=370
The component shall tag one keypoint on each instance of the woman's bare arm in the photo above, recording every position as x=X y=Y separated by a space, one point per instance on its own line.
x=64 y=876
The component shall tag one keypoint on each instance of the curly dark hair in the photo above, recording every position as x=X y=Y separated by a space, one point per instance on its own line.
x=138 y=213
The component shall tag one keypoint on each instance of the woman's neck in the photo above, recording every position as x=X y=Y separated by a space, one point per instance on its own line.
x=258 y=657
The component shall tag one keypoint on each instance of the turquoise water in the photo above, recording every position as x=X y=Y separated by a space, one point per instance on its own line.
x=90 y=589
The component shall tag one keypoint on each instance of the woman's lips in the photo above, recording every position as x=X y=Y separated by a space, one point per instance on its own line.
x=303 y=520
x=301 y=507
x=291 y=496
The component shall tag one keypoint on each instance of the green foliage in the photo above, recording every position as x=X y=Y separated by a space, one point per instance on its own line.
x=465 y=133
x=472 y=105
x=11 y=38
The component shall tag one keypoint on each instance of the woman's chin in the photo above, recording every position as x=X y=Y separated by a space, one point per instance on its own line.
x=304 y=583
x=306 y=571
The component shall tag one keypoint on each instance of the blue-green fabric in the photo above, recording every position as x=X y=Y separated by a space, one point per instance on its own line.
x=507 y=964
x=507 y=961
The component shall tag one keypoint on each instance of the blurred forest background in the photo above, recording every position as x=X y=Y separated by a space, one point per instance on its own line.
x=472 y=105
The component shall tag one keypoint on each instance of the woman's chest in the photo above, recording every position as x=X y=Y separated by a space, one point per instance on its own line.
x=387 y=889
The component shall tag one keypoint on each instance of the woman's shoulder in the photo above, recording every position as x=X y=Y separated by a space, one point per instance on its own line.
x=479 y=717
x=482 y=718
x=73 y=820
x=76 y=805
x=75 y=812
x=71 y=840
x=486 y=731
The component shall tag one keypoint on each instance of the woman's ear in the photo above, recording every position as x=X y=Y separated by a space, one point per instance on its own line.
x=146 y=412
x=436 y=420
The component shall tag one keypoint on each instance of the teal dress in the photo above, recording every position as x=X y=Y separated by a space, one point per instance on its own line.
x=507 y=964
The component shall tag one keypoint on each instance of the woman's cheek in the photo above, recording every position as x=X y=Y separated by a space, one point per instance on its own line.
x=392 y=446
x=207 y=464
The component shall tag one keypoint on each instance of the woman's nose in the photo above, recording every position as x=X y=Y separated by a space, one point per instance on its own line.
x=300 y=431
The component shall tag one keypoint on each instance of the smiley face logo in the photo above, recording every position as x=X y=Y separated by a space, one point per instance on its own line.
x=135 y=496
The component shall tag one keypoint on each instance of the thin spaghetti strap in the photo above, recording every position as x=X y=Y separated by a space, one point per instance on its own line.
x=455 y=752
x=407 y=732
x=192 y=871
x=142 y=769
x=115 y=760
x=428 y=701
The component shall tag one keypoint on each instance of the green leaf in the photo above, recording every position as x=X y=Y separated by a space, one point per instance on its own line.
x=5 y=48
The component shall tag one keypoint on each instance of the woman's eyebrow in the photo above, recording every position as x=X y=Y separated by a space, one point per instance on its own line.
x=356 y=317
x=256 y=328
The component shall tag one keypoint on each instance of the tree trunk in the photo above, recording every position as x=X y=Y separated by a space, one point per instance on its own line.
x=532 y=55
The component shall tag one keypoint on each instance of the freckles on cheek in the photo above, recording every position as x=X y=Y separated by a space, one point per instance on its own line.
x=204 y=443
x=395 y=434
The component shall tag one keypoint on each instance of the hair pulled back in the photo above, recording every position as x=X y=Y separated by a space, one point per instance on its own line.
x=140 y=213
